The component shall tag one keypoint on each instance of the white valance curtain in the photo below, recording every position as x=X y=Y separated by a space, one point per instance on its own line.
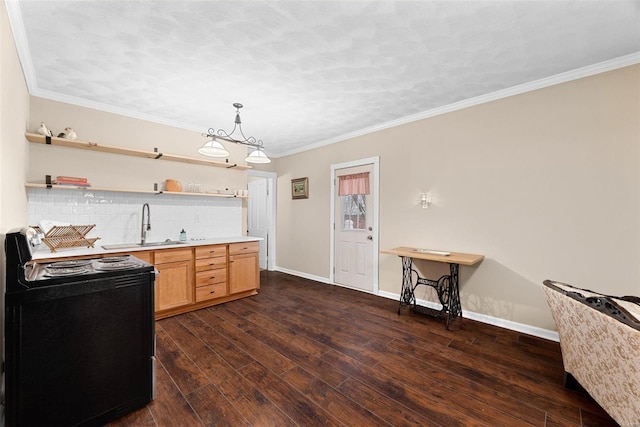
x=357 y=183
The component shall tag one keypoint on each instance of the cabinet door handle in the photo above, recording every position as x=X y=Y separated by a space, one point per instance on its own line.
x=212 y=277
x=212 y=292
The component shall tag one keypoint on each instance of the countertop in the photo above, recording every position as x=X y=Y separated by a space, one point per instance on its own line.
x=43 y=251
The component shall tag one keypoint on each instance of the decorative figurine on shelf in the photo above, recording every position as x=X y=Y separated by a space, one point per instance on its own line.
x=68 y=133
x=42 y=130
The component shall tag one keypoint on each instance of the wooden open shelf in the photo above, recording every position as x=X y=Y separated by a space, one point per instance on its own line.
x=94 y=146
x=128 y=190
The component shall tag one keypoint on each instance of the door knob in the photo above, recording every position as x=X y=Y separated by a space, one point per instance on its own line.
x=370 y=237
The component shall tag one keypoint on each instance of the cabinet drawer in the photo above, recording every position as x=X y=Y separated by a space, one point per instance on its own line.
x=211 y=263
x=210 y=277
x=243 y=248
x=172 y=255
x=146 y=256
x=211 y=251
x=204 y=293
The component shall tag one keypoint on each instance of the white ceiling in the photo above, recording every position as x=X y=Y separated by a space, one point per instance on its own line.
x=310 y=72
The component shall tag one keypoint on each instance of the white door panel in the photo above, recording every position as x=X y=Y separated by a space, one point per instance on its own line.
x=361 y=263
x=257 y=219
x=353 y=243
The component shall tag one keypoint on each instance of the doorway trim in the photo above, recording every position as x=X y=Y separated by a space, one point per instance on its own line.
x=375 y=161
x=271 y=178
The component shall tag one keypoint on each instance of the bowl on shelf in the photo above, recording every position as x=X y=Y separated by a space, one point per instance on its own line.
x=173 y=185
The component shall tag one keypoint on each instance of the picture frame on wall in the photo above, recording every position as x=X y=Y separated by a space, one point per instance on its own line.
x=300 y=188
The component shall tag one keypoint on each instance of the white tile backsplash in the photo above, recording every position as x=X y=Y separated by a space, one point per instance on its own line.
x=118 y=215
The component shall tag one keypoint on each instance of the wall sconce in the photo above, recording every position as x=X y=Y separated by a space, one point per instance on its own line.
x=425 y=200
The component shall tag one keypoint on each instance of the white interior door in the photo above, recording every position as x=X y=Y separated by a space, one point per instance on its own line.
x=257 y=218
x=354 y=234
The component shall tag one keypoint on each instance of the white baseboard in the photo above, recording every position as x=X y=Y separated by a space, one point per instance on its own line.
x=484 y=318
x=305 y=275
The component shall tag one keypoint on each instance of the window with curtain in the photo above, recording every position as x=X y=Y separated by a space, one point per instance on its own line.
x=357 y=183
x=352 y=190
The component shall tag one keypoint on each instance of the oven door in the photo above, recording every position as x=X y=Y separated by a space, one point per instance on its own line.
x=80 y=353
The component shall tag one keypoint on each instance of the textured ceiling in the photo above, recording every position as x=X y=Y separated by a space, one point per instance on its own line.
x=308 y=72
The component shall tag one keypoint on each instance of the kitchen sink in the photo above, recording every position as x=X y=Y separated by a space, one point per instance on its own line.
x=166 y=242
x=145 y=245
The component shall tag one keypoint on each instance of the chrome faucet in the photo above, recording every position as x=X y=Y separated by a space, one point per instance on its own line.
x=143 y=230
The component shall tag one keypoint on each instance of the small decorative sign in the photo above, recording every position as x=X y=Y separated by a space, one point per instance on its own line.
x=300 y=188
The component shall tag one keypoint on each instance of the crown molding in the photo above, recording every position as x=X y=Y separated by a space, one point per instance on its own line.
x=80 y=102
x=22 y=45
x=601 y=67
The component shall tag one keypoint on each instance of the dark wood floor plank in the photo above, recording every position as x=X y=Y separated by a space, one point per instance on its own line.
x=241 y=394
x=170 y=407
x=337 y=404
x=303 y=353
x=482 y=403
x=426 y=405
x=299 y=407
x=265 y=320
x=189 y=343
x=182 y=369
x=346 y=317
x=330 y=335
x=279 y=337
x=301 y=350
x=231 y=353
x=554 y=421
x=274 y=360
x=383 y=406
x=599 y=419
x=541 y=368
x=140 y=418
x=220 y=414
x=208 y=316
x=516 y=383
x=539 y=347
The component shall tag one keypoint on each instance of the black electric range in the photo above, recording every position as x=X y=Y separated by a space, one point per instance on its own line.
x=80 y=337
x=60 y=272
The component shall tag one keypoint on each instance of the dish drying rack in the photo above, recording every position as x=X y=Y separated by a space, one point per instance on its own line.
x=67 y=236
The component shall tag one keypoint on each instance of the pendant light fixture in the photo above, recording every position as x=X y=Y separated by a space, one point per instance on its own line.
x=214 y=148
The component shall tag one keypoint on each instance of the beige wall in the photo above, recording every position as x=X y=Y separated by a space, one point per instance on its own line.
x=544 y=184
x=14 y=109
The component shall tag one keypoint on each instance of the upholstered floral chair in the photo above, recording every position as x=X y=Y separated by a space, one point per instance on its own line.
x=600 y=343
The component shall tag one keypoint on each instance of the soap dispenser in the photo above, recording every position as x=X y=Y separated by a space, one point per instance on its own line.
x=183 y=236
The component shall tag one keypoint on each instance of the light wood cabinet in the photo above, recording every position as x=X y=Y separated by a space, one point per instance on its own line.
x=211 y=272
x=146 y=256
x=195 y=277
x=174 y=284
x=244 y=268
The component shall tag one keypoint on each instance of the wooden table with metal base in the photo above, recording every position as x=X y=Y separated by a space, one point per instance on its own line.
x=446 y=286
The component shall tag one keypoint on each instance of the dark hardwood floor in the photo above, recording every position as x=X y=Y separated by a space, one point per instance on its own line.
x=302 y=353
